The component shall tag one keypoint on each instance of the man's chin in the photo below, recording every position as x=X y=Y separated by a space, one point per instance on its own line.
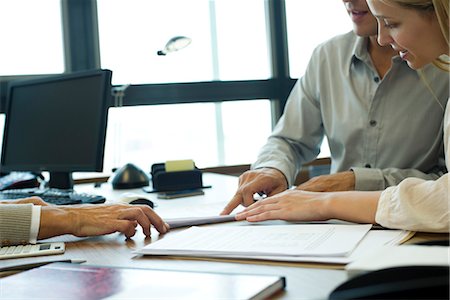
x=363 y=32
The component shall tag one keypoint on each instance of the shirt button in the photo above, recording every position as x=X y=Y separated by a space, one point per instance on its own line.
x=368 y=166
x=373 y=123
x=376 y=79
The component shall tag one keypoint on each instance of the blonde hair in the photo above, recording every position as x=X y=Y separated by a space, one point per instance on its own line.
x=441 y=9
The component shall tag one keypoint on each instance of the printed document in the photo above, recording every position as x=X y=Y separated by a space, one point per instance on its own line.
x=372 y=241
x=262 y=240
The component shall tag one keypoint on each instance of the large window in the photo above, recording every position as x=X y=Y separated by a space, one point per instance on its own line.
x=229 y=40
x=31 y=37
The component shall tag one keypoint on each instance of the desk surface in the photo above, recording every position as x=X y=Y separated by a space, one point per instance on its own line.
x=303 y=282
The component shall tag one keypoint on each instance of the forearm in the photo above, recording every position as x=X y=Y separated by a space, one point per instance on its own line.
x=359 y=207
x=55 y=221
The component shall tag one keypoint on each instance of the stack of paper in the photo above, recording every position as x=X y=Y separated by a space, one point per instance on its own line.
x=327 y=243
x=277 y=240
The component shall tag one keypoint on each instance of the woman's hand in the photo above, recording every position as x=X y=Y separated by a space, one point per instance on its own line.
x=298 y=205
x=291 y=205
x=93 y=220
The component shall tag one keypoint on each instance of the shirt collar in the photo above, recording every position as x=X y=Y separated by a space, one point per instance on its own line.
x=361 y=55
x=359 y=51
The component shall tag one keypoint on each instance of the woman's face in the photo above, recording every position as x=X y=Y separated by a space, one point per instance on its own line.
x=415 y=35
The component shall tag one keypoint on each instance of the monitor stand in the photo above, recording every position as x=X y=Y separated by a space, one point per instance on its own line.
x=61 y=180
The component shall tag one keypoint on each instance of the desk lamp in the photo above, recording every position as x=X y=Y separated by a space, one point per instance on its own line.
x=174 y=44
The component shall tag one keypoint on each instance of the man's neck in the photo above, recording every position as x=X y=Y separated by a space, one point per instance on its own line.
x=381 y=56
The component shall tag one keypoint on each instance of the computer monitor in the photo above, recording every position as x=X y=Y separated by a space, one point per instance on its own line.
x=57 y=124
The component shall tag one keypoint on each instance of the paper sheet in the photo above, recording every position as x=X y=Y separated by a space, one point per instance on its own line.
x=277 y=240
x=184 y=222
x=374 y=240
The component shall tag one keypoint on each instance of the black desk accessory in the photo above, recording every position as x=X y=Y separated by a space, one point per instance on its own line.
x=129 y=177
x=409 y=282
x=19 y=180
x=164 y=181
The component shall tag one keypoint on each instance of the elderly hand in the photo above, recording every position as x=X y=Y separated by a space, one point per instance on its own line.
x=266 y=181
x=92 y=220
x=343 y=181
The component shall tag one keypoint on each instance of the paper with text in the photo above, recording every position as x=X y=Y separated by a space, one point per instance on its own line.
x=373 y=240
x=281 y=240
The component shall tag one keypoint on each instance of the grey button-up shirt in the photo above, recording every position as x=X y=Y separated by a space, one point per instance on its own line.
x=383 y=129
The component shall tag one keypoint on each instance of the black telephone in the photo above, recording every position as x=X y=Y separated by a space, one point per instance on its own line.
x=18 y=180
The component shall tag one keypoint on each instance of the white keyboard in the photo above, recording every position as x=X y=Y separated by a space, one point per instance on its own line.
x=31 y=250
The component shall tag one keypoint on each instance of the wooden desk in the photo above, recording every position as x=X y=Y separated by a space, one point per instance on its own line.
x=113 y=250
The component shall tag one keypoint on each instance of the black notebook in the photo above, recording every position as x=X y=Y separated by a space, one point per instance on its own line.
x=72 y=281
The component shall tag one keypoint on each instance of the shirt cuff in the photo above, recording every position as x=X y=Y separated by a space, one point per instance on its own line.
x=272 y=166
x=382 y=214
x=35 y=221
x=367 y=179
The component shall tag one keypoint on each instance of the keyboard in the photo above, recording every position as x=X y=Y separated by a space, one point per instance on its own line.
x=53 y=196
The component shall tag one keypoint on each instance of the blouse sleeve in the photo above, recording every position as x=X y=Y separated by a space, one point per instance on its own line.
x=417 y=205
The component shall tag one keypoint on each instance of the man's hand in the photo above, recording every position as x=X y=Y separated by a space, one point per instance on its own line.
x=266 y=181
x=343 y=181
x=92 y=220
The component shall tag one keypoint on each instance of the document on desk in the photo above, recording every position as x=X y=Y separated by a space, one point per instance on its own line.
x=262 y=240
x=185 y=222
x=372 y=241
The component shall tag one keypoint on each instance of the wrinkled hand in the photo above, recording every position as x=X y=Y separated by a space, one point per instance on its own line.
x=266 y=181
x=32 y=200
x=291 y=205
x=93 y=220
x=343 y=181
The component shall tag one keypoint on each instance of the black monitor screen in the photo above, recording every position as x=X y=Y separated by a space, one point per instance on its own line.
x=57 y=123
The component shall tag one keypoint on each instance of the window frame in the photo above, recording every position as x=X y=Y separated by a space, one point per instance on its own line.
x=82 y=52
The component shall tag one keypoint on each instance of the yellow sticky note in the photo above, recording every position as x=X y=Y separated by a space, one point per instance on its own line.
x=179 y=165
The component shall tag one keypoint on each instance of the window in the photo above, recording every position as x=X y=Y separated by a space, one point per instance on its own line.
x=31 y=42
x=226 y=45
x=229 y=40
x=309 y=24
x=212 y=134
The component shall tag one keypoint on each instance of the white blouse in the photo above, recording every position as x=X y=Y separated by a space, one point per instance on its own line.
x=416 y=204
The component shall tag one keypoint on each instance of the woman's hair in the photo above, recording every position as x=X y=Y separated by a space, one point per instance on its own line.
x=441 y=9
